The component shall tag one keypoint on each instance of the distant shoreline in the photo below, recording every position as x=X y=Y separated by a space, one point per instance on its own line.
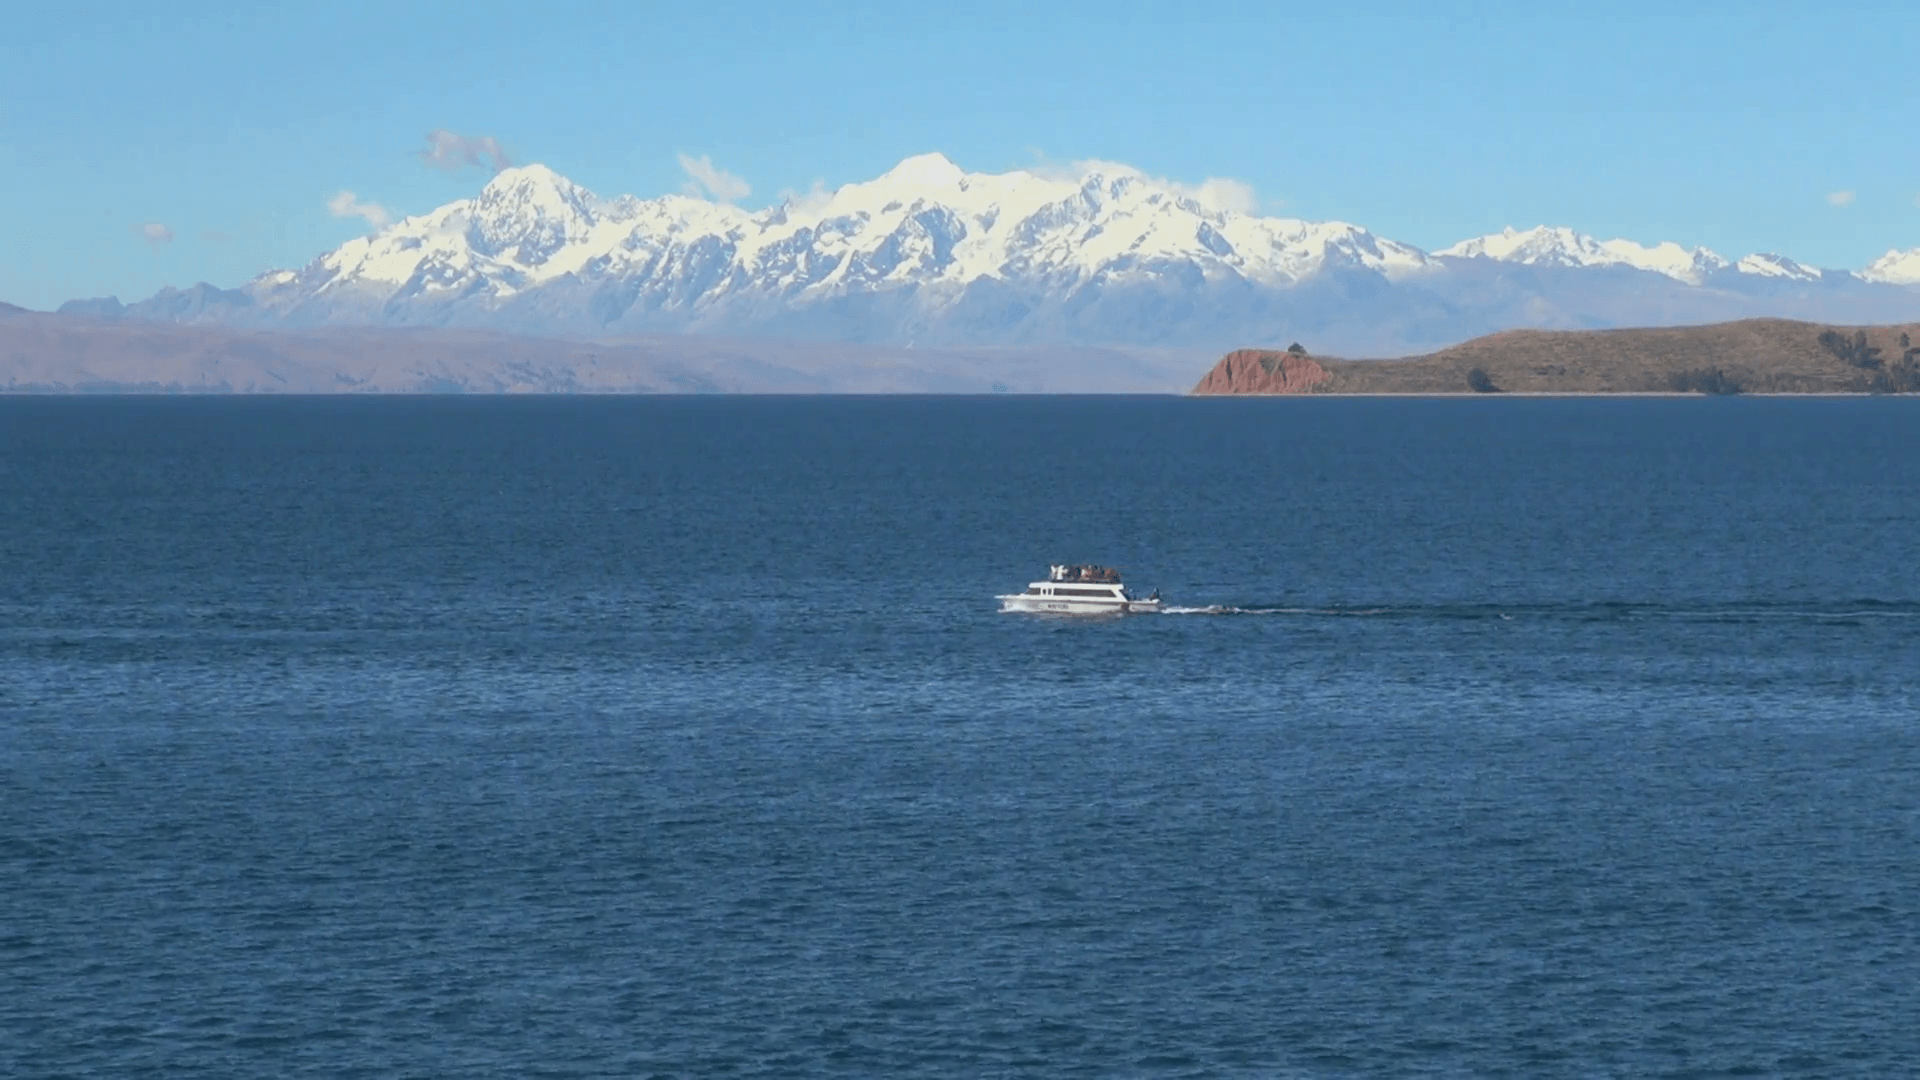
x=24 y=394
x=1471 y=396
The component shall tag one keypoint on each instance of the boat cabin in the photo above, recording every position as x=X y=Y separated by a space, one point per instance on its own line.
x=1080 y=588
x=1104 y=582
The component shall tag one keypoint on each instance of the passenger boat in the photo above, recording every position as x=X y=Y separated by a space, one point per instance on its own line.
x=1080 y=590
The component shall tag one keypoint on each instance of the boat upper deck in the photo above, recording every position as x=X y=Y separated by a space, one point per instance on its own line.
x=1092 y=575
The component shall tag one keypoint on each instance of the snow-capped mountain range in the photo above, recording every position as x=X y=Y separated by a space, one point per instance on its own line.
x=930 y=253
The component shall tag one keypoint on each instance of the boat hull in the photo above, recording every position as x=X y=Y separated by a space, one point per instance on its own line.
x=1075 y=605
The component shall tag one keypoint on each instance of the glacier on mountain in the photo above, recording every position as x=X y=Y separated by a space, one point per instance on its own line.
x=933 y=247
x=932 y=254
x=1563 y=247
x=1768 y=265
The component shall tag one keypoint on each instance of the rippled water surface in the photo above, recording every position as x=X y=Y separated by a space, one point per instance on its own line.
x=681 y=737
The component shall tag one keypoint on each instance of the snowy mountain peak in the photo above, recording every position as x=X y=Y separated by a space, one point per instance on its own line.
x=534 y=190
x=1560 y=246
x=1769 y=265
x=518 y=176
x=1896 y=267
x=1554 y=246
x=934 y=170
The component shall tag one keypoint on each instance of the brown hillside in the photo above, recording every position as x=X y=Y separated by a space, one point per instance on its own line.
x=1766 y=356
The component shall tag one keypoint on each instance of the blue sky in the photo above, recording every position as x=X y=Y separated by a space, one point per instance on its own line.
x=1737 y=126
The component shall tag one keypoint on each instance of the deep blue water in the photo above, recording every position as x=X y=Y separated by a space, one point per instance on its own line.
x=681 y=737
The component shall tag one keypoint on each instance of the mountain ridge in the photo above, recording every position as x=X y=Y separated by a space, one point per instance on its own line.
x=68 y=354
x=931 y=254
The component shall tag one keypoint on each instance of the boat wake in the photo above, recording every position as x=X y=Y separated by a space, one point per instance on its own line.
x=1848 y=611
x=1226 y=609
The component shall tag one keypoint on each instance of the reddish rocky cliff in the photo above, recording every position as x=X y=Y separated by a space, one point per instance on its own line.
x=1262 y=371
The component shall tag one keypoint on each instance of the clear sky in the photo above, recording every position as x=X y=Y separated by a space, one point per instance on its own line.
x=146 y=144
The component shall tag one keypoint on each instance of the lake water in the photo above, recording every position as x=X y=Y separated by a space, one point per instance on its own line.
x=681 y=737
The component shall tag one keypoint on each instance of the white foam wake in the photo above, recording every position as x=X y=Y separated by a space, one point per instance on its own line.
x=1222 y=609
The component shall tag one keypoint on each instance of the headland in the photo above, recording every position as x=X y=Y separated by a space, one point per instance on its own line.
x=1751 y=356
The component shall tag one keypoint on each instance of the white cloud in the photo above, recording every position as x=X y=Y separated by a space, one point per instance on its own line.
x=810 y=201
x=704 y=178
x=1221 y=193
x=156 y=233
x=346 y=204
x=1217 y=193
x=451 y=152
x=1075 y=172
x=1840 y=198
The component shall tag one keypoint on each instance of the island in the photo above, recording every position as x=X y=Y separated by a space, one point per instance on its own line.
x=1751 y=356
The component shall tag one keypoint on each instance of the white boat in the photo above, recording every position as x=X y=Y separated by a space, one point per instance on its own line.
x=1080 y=590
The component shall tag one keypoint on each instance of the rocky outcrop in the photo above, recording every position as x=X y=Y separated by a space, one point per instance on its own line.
x=1262 y=371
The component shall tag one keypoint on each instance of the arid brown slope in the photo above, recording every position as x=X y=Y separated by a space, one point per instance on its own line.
x=1751 y=356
